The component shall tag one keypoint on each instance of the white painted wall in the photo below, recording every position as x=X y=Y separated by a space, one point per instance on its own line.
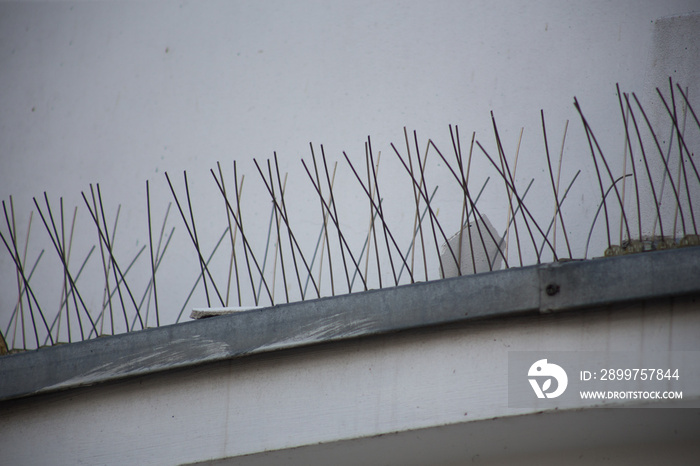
x=117 y=93
x=452 y=381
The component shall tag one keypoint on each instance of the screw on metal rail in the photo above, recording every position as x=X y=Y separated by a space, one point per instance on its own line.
x=552 y=289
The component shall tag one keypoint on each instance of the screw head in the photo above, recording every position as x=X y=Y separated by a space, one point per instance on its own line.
x=552 y=289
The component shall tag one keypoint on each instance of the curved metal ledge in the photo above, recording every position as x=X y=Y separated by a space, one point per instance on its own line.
x=544 y=288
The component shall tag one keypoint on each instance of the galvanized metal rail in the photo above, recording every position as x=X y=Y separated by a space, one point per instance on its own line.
x=555 y=287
